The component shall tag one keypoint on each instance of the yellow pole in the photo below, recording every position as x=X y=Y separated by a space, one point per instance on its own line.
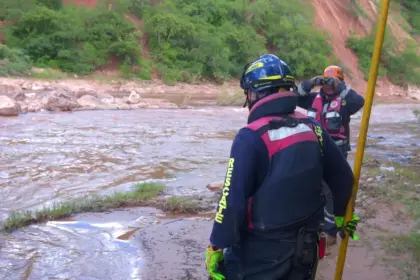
x=364 y=125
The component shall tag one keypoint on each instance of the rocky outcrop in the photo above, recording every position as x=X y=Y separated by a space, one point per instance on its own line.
x=414 y=92
x=215 y=186
x=60 y=101
x=8 y=106
x=10 y=89
x=90 y=102
x=134 y=98
x=37 y=96
x=81 y=92
x=106 y=98
x=121 y=104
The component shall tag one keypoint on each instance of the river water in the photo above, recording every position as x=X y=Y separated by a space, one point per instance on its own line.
x=47 y=157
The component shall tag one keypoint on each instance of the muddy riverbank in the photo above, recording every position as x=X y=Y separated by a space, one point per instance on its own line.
x=19 y=96
x=145 y=243
x=51 y=157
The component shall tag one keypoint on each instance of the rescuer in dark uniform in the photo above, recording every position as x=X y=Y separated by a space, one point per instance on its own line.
x=332 y=107
x=271 y=206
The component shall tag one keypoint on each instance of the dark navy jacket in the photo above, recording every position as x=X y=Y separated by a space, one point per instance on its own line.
x=251 y=163
x=354 y=103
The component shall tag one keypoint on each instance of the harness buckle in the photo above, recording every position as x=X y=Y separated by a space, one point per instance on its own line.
x=285 y=122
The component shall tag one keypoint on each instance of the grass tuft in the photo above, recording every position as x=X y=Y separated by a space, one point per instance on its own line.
x=141 y=195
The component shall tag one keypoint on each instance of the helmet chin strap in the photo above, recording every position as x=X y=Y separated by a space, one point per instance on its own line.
x=246 y=98
x=249 y=103
x=258 y=97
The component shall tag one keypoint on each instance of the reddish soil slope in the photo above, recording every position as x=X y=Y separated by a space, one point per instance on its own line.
x=334 y=17
x=337 y=18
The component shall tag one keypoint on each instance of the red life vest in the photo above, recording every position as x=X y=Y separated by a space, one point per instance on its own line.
x=329 y=116
x=291 y=187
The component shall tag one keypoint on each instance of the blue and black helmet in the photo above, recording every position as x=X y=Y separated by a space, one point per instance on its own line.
x=265 y=73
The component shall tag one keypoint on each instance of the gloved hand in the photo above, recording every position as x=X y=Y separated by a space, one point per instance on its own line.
x=213 y=258
x=350 y=227
x=304 y=88
x=317 y=80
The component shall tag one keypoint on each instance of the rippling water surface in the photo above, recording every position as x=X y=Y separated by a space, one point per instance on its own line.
x=46 y=157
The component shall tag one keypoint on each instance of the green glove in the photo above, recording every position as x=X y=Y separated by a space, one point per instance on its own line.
x=213 y=258
x=350 y=227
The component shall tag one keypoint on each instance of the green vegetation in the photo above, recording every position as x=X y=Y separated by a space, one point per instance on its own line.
x=143 y=195
x=357 y=9
x=411 y=11
x=188 y=40
x=214 y=39
x=73 y=39
x=392 y=186
x=407 y=248
x=13 y=62
x=48 y=74
x=400 y=67
x=181 y=205
x=403 y=253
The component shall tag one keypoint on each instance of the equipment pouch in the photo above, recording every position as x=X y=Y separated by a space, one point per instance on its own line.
x=305 y=260
x=306 y=248
x=333 y=121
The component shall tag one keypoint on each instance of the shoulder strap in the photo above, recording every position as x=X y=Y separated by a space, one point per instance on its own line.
x=287 y=121
x=317 y=129
x=344 y=93
x=284 y=121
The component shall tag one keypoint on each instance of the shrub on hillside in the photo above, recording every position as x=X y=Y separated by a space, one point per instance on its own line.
x=13 y=62
x=288 y=27
x=139 y=7
x=215 y=39
x=51 y=4
x=363 y=47
x=400 y=67
x=12 y=10
x=186 y=45
x=412 y=13
x=75 y=39
x=405 y=67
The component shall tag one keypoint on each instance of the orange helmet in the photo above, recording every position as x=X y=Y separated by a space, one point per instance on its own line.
x=334 y=71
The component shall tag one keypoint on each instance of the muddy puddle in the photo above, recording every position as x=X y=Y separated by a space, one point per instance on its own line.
x=122 y=244
x=86 y=247
x=47 y=157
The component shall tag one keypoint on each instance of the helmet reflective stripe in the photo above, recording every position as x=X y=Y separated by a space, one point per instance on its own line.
x=271 y=77
x=254 y=66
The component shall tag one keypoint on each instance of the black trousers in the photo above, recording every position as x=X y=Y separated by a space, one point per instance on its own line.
x=273 y=259
x=328 y=225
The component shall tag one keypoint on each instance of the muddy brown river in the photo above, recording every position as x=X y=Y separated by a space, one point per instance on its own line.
x=48 y=157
